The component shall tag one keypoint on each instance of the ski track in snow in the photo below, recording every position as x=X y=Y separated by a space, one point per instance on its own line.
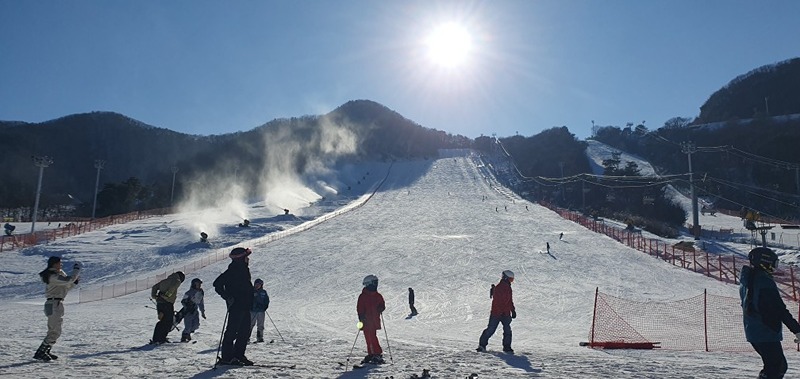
x=429 y=228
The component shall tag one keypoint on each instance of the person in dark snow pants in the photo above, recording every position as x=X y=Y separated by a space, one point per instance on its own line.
x=764 y=312
x=235 y=287
x=165 y=293
x=502 y=312
x=411 y=301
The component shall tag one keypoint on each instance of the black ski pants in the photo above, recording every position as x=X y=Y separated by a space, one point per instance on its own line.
x=771 y=353
x=494 y=321
x=237 y=334
x=166 y=312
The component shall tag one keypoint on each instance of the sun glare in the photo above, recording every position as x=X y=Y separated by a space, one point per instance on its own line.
x=449 y=45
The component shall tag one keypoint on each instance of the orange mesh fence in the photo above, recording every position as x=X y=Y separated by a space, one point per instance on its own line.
x=724 y=268
x=700 y=323
x=18 y=241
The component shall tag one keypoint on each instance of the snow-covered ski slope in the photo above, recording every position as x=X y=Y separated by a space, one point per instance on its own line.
x=438 y=226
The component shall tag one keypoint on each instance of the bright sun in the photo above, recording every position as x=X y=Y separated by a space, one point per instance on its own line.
x=449 y=45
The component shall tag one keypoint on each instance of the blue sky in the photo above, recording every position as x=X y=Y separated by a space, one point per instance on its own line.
x=211 y=67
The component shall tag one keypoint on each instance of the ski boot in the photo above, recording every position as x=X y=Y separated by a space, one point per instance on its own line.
x=49 y=354
x=366 y=359
x=259 y=336
x=41 y=353
x=186 y=337
x=377 y=359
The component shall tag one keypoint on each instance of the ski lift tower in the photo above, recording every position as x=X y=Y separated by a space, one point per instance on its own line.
x=753 y=223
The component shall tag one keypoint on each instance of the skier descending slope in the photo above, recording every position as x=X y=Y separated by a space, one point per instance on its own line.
x=502 y=312
x=370 y=306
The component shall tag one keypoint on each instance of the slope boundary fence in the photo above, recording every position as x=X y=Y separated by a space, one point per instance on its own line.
x=700 y=323
x=724 y=268
x=19 y=241
x=109 y=291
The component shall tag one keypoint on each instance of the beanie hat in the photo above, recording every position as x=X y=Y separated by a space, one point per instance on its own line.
x=258 y=281
x=239 y=252
x=52 y=260
x=181 y=276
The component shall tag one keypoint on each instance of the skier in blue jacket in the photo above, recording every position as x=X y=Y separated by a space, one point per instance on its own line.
x=764 y=311
x=260 y=305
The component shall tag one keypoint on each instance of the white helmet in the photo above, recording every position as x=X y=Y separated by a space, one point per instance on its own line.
x=508 y=274
x=370 y=279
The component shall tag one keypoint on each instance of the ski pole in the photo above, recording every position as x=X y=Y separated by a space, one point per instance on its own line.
x=347 y=365
x=220 y=338
x=388 y=347
x=276 y=328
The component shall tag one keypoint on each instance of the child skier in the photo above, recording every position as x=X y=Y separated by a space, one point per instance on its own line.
x=370 y=306
x=260 y=305
x=192 y=301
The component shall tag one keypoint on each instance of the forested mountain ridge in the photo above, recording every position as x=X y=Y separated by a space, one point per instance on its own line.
x=359 y=129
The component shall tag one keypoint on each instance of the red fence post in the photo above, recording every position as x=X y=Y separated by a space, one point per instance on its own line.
x=705 y=316
x=594 y=316
x=794 y=288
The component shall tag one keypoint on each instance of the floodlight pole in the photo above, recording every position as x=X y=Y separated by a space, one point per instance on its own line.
x=98 y=164
x=41 y=162
x=172 y=194
x=689 y=148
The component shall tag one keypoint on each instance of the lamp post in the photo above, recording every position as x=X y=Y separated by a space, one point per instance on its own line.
x=41 y=162
x=172 y=194
x=98 y=164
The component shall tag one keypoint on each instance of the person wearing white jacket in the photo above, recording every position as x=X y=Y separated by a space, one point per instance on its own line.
x=58 y=284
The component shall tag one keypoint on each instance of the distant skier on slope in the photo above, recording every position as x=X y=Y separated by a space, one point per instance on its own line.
x=502 y=312
x=58 y=284
x=764 y=311
x=411 y=301
x=192 y=302
x=369 y=307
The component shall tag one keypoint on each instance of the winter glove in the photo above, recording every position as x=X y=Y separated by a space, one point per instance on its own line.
x=513 y=313
x=797 y=338
x=204 y=315
x=76 y=266
x=229 y=302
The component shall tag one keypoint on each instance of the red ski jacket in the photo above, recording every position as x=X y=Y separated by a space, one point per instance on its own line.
x=502 y=302
x=369 y=308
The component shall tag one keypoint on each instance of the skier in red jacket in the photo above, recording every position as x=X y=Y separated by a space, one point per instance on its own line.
x=370 y=306
x=502 y=312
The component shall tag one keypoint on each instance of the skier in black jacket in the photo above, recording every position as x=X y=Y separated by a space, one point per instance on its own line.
x=235 y=287
x=765 y=312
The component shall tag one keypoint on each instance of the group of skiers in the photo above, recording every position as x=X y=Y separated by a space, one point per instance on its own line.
x=763 y=309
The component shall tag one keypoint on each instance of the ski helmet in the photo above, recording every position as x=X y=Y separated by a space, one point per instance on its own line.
x=258 y=282
x=181 y=275
x=370 y=280
x=239 y=252
x=764 y=258
x=508 y=274
x=196 y=281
